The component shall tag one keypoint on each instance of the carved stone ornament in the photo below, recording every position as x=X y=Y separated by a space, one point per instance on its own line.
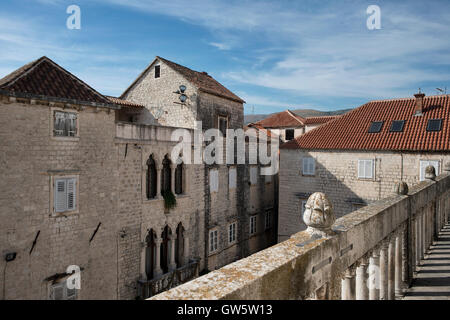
x=319 y=215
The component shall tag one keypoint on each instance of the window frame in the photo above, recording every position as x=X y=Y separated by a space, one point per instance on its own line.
x=53 y=112
x=157 y=67
x=213 y=240
x=268 y=220
x=286 y=134
x=53 y=197
x=307 y=165
x=65 y=293
x=219 y=117
x=365 y=177
x=214 y=188
x=253 y=226
x=430 y=122
x=370 y=130
x=232 y=233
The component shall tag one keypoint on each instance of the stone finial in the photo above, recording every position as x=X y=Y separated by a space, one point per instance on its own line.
x=319 y=215
x=430 y=173
x=401 y=188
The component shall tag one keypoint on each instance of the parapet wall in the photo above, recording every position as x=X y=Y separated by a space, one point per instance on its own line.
x=301 y=267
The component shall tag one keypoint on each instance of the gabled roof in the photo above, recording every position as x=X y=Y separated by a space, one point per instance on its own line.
x=319 y=120
x=351 y=131
x=125 y=103
x=281 y=120
x=44 y=78
x=202 y=80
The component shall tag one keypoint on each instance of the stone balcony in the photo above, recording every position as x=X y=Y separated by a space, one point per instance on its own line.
x=375 y=253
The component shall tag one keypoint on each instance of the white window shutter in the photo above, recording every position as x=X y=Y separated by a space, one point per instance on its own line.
x=71 y=194
x=361 y=168
x=369 y=169
x=58 y=291
x=312 y=165
x=60 y=195
x=305 y=165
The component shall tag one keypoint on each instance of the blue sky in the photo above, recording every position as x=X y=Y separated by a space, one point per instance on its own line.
x=274 y=54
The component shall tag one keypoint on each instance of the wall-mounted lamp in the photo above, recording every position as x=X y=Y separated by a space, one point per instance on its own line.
x=183 y=98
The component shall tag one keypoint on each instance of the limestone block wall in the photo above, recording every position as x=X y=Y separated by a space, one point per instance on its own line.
x=138 y=215
x=30 y=157
x=337 y=176
x=157 y=95
x=210 y=107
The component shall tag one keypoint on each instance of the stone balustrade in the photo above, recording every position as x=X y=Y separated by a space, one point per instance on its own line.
x=140 y=132
x=371 y=253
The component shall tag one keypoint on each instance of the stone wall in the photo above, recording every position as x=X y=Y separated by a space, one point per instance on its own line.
x=30 y=157
x=312 y=268
x=337 y=176
x=157 y=95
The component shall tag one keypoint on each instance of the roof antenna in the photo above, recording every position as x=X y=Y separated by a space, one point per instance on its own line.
x=442 y=91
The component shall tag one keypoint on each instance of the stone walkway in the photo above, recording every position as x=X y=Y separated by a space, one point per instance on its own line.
x=432 y=282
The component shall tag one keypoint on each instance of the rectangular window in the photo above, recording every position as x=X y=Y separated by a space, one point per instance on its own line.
x=303 y=202
x=365 y=169
x=434 y=125
x=213 y=180
x=223 y=125
x=268 y=220
x=232 y=233
x=232 y=178
x=424 y=164
x=252 y=225
x=289 y=134
x=213 y=240
x=253 y=175
x=157 y=71
x=65 y=124
x=376 y=126
x=65 y=194
x=397 y=125
x=60 y=291
x=309 y=166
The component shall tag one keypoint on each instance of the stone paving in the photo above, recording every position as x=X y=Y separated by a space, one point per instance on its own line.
x=432 y=282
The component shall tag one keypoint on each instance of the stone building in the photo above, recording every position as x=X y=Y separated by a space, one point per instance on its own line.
x=87 y=181
x=287 y=125
x=359 y=157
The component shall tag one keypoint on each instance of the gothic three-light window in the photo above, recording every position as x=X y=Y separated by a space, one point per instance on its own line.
x=65 y=124
x=179 y=179
x=151 y=178
x=166 y=175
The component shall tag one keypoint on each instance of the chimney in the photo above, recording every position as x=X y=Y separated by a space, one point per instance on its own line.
x=419 y=103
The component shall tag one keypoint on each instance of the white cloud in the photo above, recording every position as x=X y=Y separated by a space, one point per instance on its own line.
x=220 y=46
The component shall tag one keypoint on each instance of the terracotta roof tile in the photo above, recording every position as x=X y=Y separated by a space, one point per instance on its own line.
x=124 y=103
x=203 y=81
x=282 y=119
x=319 y=120
x=350 y=131
x=43 y=77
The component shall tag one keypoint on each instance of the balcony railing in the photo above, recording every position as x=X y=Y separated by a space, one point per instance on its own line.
x=149 y=288
x=372 y=253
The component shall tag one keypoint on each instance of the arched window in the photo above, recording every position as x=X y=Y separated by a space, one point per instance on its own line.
x=179 y=179
x=150 y=254
x=164 y=251
x=179 y=246
x=151 y=178
x=166 y=176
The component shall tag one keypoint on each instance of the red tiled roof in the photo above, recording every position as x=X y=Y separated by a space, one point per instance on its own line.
x=202 y=80
x=282 y=119
x=43 y=77
x=260 y=128
x=350 y=131
x=319 y=120
x=124 y=103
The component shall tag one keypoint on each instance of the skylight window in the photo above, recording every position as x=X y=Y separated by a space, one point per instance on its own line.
x=397 y=125
x=376 y=126
x=434 y=125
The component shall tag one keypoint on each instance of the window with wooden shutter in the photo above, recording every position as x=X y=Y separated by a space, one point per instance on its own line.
x=60 y=291
x=65 y=194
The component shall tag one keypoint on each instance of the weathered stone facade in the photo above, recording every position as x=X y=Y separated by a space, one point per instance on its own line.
x=336 y=175
x=30 y=160
x=108 y=234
